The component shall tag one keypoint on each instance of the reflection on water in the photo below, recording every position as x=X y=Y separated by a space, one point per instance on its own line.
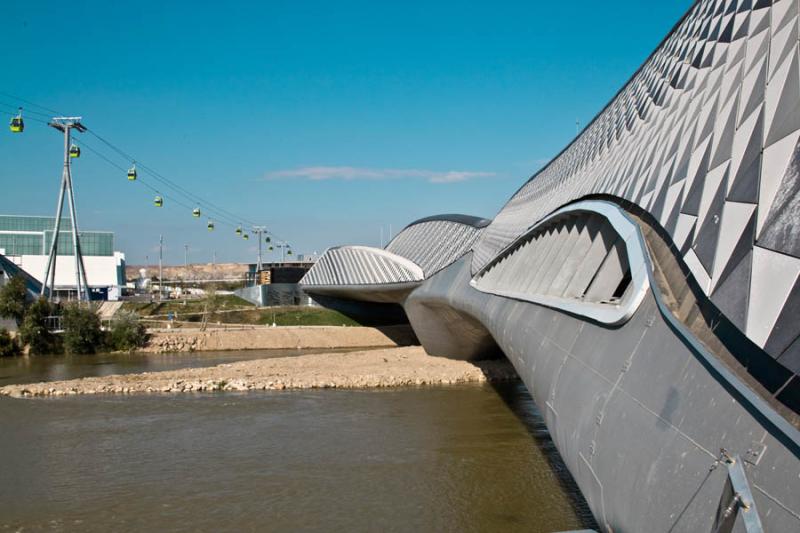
x=466 y=458
x=55 y=368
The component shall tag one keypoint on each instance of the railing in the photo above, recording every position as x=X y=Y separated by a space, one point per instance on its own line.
x=54 y=324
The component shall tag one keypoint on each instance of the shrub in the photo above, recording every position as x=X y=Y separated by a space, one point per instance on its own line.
x=126 y=332
x=82 y=332
x=13 y=299
x=8 y=345
x=34 y=333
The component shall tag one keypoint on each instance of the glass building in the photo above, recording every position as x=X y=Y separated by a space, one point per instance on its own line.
x=26 y=241
x=21 y=235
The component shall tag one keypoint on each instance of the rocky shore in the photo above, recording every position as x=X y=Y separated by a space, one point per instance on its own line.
x=391 y=367
x=280 y=338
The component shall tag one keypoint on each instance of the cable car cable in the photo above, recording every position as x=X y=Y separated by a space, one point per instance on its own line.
x=170 y=183
x=225 y=214
x=166 y=182
x=228 y=219
x=122 y=169
x=28 y=111
x=34 y=104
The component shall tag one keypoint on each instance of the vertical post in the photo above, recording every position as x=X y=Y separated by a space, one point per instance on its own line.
x=185 y=265
x=160 y=268
x=65 y=125
x=259 y=233
x=50 y=270
x=80 y=275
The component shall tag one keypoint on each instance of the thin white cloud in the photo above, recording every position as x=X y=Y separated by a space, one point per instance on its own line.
x=359 y=173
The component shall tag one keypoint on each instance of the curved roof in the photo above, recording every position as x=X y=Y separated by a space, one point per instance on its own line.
x=435 y=242
x=361 y=265
x=468 y=220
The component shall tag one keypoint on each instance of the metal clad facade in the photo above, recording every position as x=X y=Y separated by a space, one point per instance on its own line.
x=704 y=138
x=359 y=265
x=434 y=245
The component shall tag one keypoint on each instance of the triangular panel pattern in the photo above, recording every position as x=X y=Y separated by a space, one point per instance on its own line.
x=782 y=226
x=787 y=327
x=716 y=109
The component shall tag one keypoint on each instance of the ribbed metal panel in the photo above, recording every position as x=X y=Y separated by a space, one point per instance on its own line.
x=360 y=265
x=434 y=244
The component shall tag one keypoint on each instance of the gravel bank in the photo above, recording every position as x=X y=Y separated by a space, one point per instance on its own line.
x=289 y=337
x=391 y=367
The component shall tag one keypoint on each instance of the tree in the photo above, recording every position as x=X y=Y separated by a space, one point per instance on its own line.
x=8 y=345
x=13 y=299
x=127 y=333
x=82 y=332
x=211 y=305
x=34 y=333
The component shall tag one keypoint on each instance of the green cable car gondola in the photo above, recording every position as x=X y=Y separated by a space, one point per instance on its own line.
x=270 y=248
x=158 y=201
x=246 y=237
x=17 y=125
x=289 y=252
x=196 y=212
x=74 y=151
x=210 y=225
x=268 y=239
x=132 y=173
x=239 y=230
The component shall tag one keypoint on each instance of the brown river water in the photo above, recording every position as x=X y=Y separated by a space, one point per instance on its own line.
x=457 y=458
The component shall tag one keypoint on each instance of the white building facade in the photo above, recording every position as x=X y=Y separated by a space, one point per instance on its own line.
x=26 y=241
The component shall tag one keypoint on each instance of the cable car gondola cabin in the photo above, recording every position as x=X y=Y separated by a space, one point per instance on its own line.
x=210 y=225
x=132 y=173
x=74 y=151
x=196 y=212
x=268 y=240
x=17 y=125
x=246 y=237
x=289 y=252
x=239 y=230
x=158 y=201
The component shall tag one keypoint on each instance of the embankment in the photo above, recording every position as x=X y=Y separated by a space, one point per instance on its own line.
x=280 y=338
x=390 y=367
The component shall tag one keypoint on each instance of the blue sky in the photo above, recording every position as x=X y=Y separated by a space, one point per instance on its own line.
x=324 y=121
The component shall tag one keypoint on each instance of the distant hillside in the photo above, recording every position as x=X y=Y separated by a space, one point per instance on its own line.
x=203 y=271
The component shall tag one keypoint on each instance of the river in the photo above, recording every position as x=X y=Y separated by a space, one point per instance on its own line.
x=64 y=367
x=459 y=458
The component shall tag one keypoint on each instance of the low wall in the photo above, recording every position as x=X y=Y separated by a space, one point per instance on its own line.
x=274 y=294
x=279 y=338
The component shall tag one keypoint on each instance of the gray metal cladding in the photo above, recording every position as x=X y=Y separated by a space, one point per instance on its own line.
x=704 y=137
x=361 y=265
x=634 y=411
x=434 y=244
x=587 y=259
x=420 y=250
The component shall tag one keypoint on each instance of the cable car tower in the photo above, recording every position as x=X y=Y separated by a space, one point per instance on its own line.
x=259 y=231
x=66 y=125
